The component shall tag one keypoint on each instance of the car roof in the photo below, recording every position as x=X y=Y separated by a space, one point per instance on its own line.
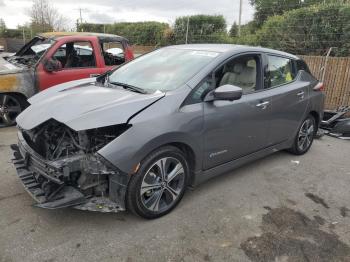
x=102 y=37
x=229 y=48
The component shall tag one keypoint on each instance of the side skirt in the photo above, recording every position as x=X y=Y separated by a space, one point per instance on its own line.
x=204 y=175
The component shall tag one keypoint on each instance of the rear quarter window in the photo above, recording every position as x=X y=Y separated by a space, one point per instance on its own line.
x=301 y=65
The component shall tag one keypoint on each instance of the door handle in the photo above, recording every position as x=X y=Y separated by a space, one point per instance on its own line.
x=263 y=105
x=301 y=94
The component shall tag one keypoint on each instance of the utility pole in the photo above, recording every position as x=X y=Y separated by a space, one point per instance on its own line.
x=24 y=36
x=188 y=23
x=80 y=14
x=240 y=18
x=81 y=17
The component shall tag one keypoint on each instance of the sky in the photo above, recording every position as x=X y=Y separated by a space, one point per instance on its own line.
x=15 y=12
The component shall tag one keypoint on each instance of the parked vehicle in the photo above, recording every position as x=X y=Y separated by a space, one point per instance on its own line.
x=54 y=58
x=2 y=49
x=135 y=138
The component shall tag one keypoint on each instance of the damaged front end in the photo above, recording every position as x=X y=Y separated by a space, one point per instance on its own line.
x=60 y=167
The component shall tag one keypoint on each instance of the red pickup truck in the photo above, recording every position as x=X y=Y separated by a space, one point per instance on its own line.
x=50 y=59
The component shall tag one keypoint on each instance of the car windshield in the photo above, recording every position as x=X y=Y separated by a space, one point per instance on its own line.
x=162 y=70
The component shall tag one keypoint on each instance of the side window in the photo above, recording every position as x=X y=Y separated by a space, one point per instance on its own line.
x=113 y=53
x=75 y=55
x=280 y=71
x=241 y=72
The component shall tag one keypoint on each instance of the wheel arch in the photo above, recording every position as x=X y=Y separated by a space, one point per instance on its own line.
x=317 y=118
x=133 y=155
x=189 y=150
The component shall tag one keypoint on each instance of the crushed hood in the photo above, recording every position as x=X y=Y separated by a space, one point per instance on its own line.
x=8 y=68
x=82 y=105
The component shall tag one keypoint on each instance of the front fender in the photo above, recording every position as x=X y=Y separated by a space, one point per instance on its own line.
x=21 y=82
x=184 y=126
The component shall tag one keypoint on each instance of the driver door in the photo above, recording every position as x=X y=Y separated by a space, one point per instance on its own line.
x=77 y=60
x=233 y=129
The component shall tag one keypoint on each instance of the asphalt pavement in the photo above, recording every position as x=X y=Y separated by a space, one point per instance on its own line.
x=280 y=208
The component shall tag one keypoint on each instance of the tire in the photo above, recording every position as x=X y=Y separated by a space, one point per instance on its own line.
x=152 y=193
x=11 y=105
x=304 y=137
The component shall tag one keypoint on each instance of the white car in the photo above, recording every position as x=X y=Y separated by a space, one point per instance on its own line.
x=115 y=51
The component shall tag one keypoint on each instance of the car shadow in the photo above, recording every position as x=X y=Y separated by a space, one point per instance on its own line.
x=230 y=176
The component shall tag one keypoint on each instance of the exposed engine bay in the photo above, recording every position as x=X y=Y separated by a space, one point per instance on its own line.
x=53 y=140
x=56 y=159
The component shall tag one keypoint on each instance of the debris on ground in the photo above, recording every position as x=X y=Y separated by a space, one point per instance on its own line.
x=317 y=199
x=320 y=133
x=289 y=235
x=297 y=162
x=336 y=124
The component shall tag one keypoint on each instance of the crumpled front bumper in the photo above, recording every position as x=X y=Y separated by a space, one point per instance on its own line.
x=29 y=166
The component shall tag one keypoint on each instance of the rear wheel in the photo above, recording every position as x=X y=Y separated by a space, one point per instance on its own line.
x=11 y=105
x=159 y=184
x=305 y=136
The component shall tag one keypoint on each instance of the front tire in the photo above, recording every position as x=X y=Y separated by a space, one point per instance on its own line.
x=159 y=184
x=304 y=137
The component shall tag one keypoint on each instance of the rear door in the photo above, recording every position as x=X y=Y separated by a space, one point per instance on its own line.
x=289 y=97
x=77 y=58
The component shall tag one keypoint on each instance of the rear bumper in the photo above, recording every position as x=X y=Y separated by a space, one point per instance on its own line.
x=36 y=174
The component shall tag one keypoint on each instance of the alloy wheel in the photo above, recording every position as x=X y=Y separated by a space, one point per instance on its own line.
x=162 y=184
x=306 y=134
x=10 y=108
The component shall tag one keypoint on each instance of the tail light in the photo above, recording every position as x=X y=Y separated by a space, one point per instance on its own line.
x=319 y=87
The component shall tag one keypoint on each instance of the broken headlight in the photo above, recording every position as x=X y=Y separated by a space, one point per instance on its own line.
x=93 y=140
x=53 y=140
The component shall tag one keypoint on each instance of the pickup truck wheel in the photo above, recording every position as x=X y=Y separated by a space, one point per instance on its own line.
x=11 y=106
x=159 y=184
x=305 y=136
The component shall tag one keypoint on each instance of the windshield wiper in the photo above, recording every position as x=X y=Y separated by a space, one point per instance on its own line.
x=130 y=87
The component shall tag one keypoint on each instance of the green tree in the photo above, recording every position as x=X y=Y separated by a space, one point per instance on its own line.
x=268 y=8
x=234 y=30
x=141 y=33
x=202 y=28
x=309 y=30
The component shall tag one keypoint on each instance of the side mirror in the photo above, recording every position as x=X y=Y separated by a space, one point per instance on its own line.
x=225 y=92
x=52 y=65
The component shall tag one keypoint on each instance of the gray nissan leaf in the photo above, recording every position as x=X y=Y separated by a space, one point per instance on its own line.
x=137 y=137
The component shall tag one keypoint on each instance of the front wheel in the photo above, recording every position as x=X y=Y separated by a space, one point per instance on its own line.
x=11 y=106
x=159 y=184
x=304 y=137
